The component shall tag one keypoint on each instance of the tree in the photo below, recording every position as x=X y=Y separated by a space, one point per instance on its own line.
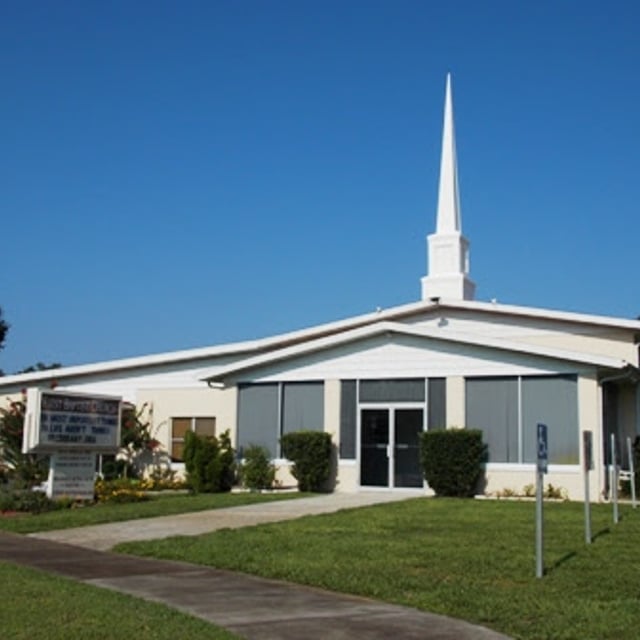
x=4 y=328
x=26 y=469
x=40 y=366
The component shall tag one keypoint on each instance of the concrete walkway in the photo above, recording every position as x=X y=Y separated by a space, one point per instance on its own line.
x=252 y=607
x=105 y=536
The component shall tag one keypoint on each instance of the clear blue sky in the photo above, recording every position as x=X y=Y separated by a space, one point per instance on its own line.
x=180 y=174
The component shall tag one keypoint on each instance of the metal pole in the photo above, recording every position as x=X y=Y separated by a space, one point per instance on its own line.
x=539 y=532
x=587 y=464
x=614 y=480
x=587 y=509
x=632 y=471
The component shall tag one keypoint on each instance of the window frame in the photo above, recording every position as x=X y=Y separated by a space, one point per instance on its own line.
x=192 y=427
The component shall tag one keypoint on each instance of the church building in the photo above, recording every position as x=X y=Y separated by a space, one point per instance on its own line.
x=376 y=381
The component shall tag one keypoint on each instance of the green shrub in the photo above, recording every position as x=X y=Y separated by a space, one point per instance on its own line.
x=209 y=462
x=257 y=471
x=25 y=500
x=310 y=452
x=452 y=460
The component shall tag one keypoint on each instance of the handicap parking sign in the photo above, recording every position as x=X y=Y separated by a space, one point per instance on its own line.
x=542 y=447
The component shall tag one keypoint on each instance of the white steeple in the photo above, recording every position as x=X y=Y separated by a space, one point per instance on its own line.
x=448 y=267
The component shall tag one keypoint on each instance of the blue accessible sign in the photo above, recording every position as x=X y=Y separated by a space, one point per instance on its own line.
x=542 y=447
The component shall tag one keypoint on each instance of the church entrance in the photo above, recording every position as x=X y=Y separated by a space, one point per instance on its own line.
x=390 y=446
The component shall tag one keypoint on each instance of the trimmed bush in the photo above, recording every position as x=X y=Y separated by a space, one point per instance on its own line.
x=310 y=452
x=452 y=460
x=209 y=462
x=257 y=470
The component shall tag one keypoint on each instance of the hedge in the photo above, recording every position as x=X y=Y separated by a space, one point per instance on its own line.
x=310 y=452
x=452 y=460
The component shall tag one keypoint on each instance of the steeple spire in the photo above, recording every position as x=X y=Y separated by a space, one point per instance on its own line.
x=448 y=218
x=448 y=272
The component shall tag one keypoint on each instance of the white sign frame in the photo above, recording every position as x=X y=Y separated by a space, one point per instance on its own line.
x=71 y=421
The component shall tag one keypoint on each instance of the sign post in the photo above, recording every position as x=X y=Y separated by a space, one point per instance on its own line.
x=587 y=458
x=632 y=474
x=542 y=449
x=614 y=480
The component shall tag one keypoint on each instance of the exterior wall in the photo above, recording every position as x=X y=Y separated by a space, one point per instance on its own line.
x=581 y=338
x=130 y=382
x=570 y=479
x=189 y=403
x=397 y=356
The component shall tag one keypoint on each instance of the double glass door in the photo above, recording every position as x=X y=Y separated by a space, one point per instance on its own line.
x=390 y=447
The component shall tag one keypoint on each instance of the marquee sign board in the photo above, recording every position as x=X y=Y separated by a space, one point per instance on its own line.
x=63 y=420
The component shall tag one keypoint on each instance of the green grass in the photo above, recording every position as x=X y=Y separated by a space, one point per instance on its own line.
x=160 y=505
x=37 y=606
x=473 y=560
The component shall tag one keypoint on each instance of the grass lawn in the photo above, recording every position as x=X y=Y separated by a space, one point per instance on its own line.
x=37 y=606
x=159 y=505
x=465 y=558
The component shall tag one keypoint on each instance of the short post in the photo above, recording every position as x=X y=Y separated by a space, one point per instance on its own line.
x=541 y=469
x=632 y=473
x=614 y=480
x=587 y=456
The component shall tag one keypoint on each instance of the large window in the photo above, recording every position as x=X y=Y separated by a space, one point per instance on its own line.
x=267 y=411
x=508 y=409
x=180 y=426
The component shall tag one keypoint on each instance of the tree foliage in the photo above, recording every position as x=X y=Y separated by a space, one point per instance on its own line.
x=40 y=366
x=209 y=462
x=24 y=469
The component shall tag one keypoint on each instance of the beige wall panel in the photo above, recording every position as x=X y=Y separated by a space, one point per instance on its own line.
x=515 y=480
x=455 y=402
x=187 y=403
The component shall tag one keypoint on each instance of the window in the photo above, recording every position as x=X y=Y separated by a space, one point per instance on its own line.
x=437 y=403
x=180 y=426
x=348 y=414
x=267 y=411
x=401 y=390
x=508 y=409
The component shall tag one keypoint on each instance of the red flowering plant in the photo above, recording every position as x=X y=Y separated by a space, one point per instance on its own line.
x=136 y=429
x=24 y=469
x=136 y=437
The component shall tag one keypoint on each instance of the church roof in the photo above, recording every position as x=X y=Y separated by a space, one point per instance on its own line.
x=331 y=330
x=389 y=327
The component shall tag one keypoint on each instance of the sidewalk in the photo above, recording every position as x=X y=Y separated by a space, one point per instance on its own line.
x=254 y=608
x=103 y=537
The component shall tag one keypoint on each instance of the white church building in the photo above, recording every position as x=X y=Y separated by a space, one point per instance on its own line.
x=375 y=382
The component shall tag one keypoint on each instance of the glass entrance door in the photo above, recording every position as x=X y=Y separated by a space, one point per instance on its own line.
x=374 y=447
x=390 y=447
x=407 y=471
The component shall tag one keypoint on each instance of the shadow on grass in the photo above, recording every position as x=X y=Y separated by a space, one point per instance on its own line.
x=602 y=532
x=558 y=563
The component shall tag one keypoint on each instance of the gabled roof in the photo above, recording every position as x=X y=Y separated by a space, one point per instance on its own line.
x=281 y=341
x=388 y=327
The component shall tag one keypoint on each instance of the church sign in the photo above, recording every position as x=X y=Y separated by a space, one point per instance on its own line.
x=68 y=421
x=71 y=428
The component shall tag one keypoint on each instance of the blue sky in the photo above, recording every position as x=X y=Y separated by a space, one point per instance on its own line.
x=180 y=174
